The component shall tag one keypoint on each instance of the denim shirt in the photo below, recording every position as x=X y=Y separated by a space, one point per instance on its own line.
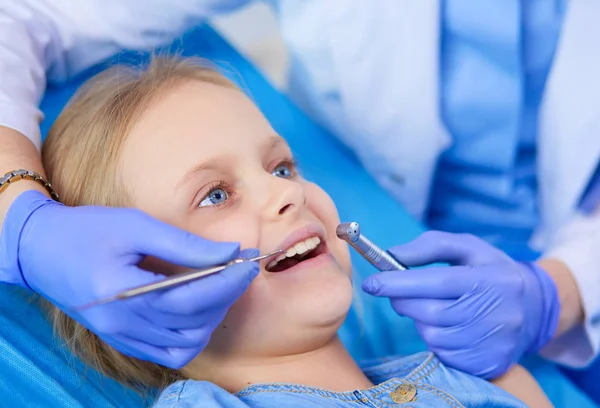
x=416 y=381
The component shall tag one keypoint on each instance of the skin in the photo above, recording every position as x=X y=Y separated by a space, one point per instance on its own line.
x=17 y=152
x=520 y=383
x=304 y=309
x=571 y=312
x=198 y=136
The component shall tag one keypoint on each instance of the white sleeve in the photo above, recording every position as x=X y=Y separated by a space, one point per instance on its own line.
x=51 y=40
x=577 y=244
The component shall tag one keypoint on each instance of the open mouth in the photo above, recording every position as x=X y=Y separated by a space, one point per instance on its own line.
x=297 y=253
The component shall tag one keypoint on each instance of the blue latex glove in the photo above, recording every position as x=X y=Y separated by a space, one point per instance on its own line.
x=480 y=315
x=74 y=255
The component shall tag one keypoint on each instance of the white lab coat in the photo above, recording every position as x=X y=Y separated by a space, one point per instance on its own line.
x=344 y=68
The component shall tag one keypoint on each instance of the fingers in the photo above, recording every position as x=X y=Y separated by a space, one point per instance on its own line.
x=179 y=247
x=196 y=303
x=180 y=357
x=144 y=307
x=455 y=249
x=131 y=277
x=469 y=334
x=169 y=357
x=174 y=321
x=158 y=336
x=249 y=253
x=179 y=319
x=473 y=361
x=110 y=320
x=432 y=283
x=475 y=353
x=219 y=290
x=430 y=312
x=449 y=312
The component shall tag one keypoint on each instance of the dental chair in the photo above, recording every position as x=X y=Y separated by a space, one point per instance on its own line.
x=37 y=370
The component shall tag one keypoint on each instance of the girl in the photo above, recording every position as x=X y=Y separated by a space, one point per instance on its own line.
x=180 y=142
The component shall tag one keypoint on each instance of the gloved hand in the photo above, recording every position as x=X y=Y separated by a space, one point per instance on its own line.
x=75 y=255
x=480 y=315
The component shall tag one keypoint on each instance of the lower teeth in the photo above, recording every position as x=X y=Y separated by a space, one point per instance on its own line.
x=288 y=262
x=285 y=264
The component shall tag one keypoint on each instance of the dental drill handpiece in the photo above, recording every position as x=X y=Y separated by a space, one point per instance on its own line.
x=382 y=260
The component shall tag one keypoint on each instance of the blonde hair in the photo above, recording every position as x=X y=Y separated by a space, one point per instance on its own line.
x=81 y=157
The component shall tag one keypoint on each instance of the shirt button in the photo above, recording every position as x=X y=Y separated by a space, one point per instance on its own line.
x=403 y=393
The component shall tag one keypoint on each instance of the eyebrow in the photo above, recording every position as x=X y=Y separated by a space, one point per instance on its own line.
x=274 y=141
x=271 y=143
x=207 y=165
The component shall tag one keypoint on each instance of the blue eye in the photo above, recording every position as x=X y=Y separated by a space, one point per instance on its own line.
x=215 y=196
x=284 y=170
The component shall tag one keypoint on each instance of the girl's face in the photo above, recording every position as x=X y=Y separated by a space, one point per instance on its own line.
x=204 y=158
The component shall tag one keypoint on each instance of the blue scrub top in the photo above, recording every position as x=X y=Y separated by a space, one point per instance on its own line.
x=495 y=59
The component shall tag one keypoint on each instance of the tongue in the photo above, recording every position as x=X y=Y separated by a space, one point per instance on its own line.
x=285 y=264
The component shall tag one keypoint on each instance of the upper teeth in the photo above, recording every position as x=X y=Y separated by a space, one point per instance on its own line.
x=297 y=249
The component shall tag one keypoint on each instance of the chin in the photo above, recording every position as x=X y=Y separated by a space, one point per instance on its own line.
x=324 y=302
x=274 y=318
x=305 y=327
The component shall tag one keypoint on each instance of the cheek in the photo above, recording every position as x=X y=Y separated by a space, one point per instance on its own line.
x=322 y=206
x=229 y=226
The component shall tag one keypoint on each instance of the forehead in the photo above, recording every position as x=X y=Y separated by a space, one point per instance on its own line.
x=195 y=121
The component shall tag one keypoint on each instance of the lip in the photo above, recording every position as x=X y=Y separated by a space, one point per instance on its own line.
x=301 y=234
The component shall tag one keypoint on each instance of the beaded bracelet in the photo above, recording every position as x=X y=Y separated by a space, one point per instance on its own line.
x=14 y=176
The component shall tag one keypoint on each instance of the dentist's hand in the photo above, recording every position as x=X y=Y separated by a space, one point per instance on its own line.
x=479 y=315
x=75 y=255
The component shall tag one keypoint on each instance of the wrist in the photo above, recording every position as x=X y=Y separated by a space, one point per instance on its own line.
x=17 y=152
x=8 y=197
x=545 y=309
x=19 y=214
x=569 y=298
x=16 y=189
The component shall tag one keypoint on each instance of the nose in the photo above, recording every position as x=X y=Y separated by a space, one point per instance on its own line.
x=287 y=197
